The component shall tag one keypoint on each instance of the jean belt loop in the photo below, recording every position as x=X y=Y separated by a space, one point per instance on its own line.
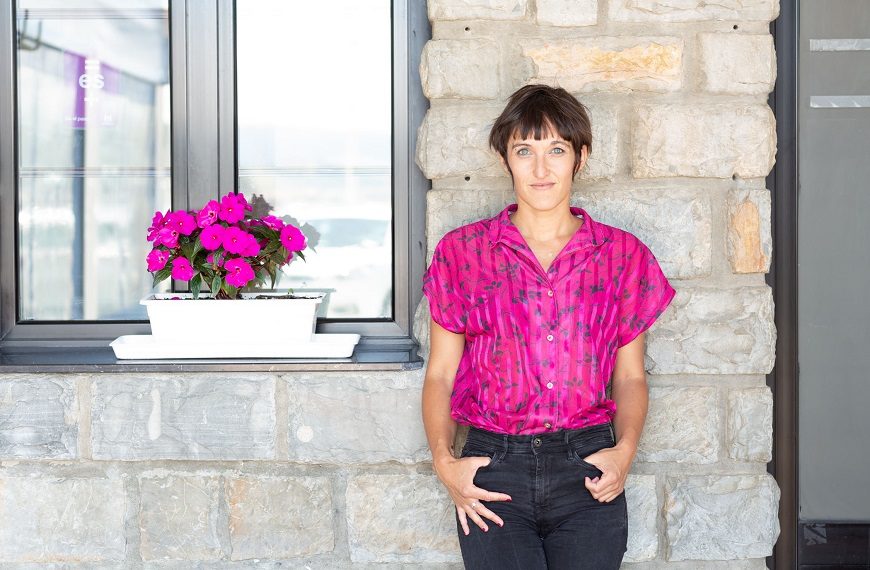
x=612 y=433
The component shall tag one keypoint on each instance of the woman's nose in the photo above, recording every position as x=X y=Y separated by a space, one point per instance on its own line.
x=541 y=166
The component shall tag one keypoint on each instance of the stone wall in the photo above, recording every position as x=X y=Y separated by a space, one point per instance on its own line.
x=683 y=139
x=331 y=470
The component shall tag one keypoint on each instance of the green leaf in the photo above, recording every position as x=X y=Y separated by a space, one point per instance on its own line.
x=272 y=274
x=216 y=284
x=187 y=250
x=231 y=291
x=161 y=275
x=196 y=285
x=300 y=254
x=197 y=247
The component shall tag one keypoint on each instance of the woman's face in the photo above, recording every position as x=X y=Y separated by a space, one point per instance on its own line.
x=542 y=170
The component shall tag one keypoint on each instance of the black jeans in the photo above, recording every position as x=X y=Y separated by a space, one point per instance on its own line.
x=553 y=522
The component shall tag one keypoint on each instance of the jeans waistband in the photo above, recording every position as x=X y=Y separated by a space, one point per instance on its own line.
x=543 y=442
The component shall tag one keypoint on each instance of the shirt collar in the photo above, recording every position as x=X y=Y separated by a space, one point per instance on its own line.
x=502 y=229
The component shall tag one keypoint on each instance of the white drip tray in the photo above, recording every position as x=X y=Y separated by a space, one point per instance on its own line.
x=325 y=345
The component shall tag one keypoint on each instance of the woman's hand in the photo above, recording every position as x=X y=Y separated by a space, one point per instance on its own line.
x=457 y=475
x=614 y=462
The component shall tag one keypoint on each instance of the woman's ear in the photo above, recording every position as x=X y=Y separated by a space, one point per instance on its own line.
x=584 y=156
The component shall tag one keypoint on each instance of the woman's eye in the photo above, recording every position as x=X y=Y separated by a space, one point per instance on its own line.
x=523 y=152
x=558 y=150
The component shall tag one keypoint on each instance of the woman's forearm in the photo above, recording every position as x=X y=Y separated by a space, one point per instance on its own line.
x=631 y=397
x=440 y=427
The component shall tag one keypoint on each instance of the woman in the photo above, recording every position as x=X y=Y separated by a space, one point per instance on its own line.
x=536 y=313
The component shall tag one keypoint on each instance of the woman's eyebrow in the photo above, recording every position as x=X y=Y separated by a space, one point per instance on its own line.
x=552 y=142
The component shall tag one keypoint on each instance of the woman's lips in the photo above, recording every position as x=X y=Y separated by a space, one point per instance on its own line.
x=543 y=186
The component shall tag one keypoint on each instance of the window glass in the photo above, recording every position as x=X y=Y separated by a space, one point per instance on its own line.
x=314 y=97
x=93 y=154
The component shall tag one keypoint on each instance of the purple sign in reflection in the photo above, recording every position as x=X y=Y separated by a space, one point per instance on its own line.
x=95 y=86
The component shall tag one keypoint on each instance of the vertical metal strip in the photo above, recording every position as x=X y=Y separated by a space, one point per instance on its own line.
x=8 y=170
x=178 y=88
x=226 y=61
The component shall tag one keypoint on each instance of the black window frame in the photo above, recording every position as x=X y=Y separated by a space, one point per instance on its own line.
x=202 y=68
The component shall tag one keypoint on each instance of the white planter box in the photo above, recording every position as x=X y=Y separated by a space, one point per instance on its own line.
x=177 y=317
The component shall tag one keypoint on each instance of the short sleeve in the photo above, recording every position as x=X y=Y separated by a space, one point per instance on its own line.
x=441 y=286
x=645 y=295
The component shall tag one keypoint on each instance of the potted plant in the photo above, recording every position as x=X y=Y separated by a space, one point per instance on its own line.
x=225 y=253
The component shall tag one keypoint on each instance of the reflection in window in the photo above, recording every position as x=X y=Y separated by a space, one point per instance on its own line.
x=314 y=84
x=93 y=152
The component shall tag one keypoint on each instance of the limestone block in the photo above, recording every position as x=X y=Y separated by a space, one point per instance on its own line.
x=675 y=223
x=750 y=424
x=715 y=141
x=477 y=9
x=737 y=63
x=61 y=520
x=608 y=63
x=453 y=141
x=183 y=417
x=460 y=69
x=449 y=209
x=643 y=540
x=715 y=331
x=179 y=518
x=750 y=244
x=403 y=518
x=567 y=13
x=38 y=417
x=663 y=11
x=721 y=517
x=358 y=418
x=280 y=517
x=682 y=425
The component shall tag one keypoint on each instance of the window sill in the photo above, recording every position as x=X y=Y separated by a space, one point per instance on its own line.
x=370 y=354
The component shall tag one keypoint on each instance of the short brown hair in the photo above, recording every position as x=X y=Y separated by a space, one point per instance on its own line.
x=533 y=109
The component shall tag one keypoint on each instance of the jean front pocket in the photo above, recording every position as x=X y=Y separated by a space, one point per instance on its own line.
x=477 y=450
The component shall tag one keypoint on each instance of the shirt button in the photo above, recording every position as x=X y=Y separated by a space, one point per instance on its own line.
x=536 y=442
x=548 y=425
x=550 y=385
x=550 y=293
x=549 y=337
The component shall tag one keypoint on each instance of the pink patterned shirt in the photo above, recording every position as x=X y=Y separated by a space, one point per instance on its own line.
x=540 y=345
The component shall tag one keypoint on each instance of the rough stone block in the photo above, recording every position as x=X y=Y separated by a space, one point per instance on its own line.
x=603 y=160
x=567 y=13
x=406 y=518
x=449 y=209
x=363 y=418
x=682 y=425
x=750 y=244
x=460 y=69
x=452 y=141
x=692 y=10
x=643 y=540
x=675 y=223
x=715 y=331
x=721 y=517
x=476 y=9
x=61 y=520
x=38 y=417
x=608 y=63
x=737 y=63
x=715 y=141
x=183 y=417
x=179 y=518
x=750 y=424
x=284 y=517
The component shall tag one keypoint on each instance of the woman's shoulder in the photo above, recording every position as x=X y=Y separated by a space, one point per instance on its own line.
x=466 y=234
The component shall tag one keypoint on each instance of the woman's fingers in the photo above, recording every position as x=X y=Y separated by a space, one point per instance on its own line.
x=463 y=520
x=472 y=513
x=481 y=510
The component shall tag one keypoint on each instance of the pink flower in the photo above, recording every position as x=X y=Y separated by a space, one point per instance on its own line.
x=157 y=259
x=252 y=247
x=232 y=209
x=156 y=225
x=181 y=269
x=208 y=215
x=276 y=224
x=236 y=240
x=292 y=238
x=244 y=202
x=210 y=258
x=239 y=273
x=212 y=237
x=182 y=222
x=167 y=236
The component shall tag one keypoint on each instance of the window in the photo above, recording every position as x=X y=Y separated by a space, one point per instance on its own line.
x=112 y=109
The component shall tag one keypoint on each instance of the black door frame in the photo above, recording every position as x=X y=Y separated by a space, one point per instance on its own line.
x=783 y=381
